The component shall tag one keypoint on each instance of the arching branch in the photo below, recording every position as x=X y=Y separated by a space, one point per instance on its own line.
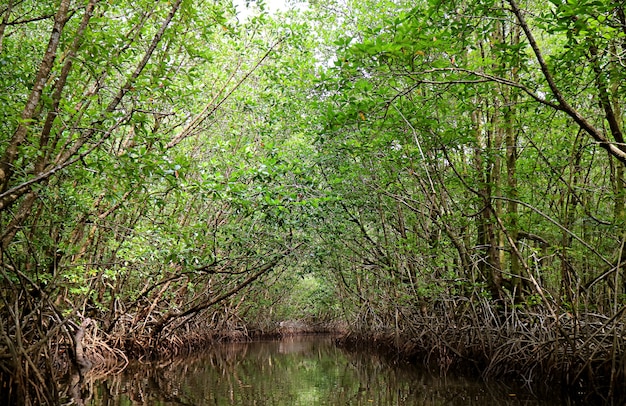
x=611 y=147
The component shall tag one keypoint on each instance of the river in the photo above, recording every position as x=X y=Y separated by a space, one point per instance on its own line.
x=307 y=370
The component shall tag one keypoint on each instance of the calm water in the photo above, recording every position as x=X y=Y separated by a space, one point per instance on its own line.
x=295 y=371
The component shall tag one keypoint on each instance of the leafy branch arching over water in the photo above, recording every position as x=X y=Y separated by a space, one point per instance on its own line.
x=444 y=177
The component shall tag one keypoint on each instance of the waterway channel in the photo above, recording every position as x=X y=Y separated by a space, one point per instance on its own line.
x=306 y=370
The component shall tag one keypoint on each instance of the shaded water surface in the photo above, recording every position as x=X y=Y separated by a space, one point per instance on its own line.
x=295 y=371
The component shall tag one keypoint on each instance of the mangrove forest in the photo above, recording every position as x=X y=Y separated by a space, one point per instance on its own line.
x=440 y=179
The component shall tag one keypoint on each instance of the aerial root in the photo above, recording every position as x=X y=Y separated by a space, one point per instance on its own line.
x=530 y=345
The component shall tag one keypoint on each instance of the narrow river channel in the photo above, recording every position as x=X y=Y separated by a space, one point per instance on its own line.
x=308 y=370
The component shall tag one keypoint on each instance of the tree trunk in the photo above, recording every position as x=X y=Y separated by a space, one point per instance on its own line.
x=487 y=240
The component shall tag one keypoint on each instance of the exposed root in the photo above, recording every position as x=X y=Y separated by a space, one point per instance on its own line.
x=580 y=352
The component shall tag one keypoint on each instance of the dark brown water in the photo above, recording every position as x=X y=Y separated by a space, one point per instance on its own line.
x=295 y=371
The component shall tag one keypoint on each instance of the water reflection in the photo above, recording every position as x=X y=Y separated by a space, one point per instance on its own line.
x=295 y=371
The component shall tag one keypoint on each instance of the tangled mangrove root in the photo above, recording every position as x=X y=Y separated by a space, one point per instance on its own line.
x=37 y=358
x=103 y=358
x=585 y=352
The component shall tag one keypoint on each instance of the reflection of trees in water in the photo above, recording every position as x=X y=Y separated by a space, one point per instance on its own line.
x=290 y=372
x=144 y=383
x=383 y=380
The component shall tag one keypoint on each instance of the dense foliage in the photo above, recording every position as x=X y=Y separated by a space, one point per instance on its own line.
x=172 y=171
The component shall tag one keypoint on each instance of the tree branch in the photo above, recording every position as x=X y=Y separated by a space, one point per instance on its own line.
x=563 y=105
x=171 y=316
x=10 y=154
